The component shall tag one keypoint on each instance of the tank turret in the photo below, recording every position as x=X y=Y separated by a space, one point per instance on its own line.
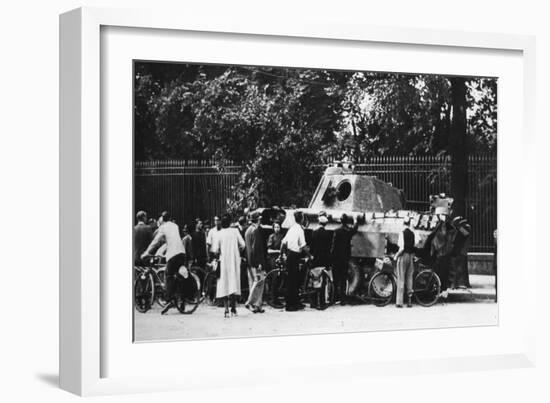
x=341 y=188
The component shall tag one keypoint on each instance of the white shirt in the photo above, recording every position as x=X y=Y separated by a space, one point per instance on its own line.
x=212 y=237
x=295 y=238
x=168 y=233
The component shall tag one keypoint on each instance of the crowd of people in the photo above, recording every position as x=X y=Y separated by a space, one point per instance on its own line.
x=242 y=246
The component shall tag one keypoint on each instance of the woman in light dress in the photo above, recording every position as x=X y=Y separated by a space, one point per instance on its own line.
x=228 y=244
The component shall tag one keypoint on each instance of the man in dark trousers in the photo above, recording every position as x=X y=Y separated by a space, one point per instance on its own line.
x=295 y=245
x=341 y=253
x=169 y=233
x=321 y=242
x=405 y=264
x=143 y=235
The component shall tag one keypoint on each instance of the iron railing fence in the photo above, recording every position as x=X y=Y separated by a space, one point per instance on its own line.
x=188 y=189
x=194 y=188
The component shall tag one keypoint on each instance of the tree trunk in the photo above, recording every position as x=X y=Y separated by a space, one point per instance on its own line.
x=356 y=145
x=458 y=146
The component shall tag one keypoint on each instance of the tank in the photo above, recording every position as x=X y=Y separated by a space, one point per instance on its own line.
x=377 y=207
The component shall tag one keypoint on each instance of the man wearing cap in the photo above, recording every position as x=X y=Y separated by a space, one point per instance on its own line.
x=405 y=265
x=169 y=233
x=256 y=255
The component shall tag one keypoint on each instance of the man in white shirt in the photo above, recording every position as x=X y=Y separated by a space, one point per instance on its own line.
x=295 y=244
x=213 y=233
x=169 y=233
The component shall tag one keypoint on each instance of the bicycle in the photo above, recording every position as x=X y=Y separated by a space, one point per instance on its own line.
x=150 y=287
x=210 y=283
x=382 y=287
x=149 y=283
x=316 y=284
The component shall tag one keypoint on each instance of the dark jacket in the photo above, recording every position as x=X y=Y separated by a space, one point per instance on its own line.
x=321 y=243
x=198 y=246
x=242 y=231
x=408 y=237
x=256 y=251
x=341 y=243
x=143 y=235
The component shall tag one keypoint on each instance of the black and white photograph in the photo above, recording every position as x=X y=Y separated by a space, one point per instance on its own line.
x=310 y=201
x=275 y=201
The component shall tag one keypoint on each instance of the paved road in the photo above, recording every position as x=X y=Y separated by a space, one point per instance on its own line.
x=208 y=322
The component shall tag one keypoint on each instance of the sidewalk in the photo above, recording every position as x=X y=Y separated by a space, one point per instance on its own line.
x=209 y=322
x=482 y=288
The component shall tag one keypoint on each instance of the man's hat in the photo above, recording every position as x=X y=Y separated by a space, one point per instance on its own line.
x=323 y=220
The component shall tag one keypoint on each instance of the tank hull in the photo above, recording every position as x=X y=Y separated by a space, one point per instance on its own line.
x=375 y=230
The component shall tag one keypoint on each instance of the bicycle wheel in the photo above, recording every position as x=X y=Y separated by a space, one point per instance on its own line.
x=160 y=288
x=144 y=292
x=381 y=288
x=427 y=287
x=189 y=296
x=275 y=289
x=209 y=289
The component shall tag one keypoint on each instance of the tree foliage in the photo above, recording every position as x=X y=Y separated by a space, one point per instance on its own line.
x=282 y=123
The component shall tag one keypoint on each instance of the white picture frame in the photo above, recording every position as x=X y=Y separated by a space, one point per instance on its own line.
x=82 y=339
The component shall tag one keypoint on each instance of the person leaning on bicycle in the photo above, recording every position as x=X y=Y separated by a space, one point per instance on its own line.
x=168 y=233
x=405 y=265
x=294 y=243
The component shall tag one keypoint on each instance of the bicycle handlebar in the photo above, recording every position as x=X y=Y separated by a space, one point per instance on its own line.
x=153 y=258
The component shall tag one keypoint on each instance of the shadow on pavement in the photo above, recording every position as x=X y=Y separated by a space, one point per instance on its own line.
x=49 y=379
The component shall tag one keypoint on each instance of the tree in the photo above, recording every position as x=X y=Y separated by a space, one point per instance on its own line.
x=458 y=149
x=282 y=123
